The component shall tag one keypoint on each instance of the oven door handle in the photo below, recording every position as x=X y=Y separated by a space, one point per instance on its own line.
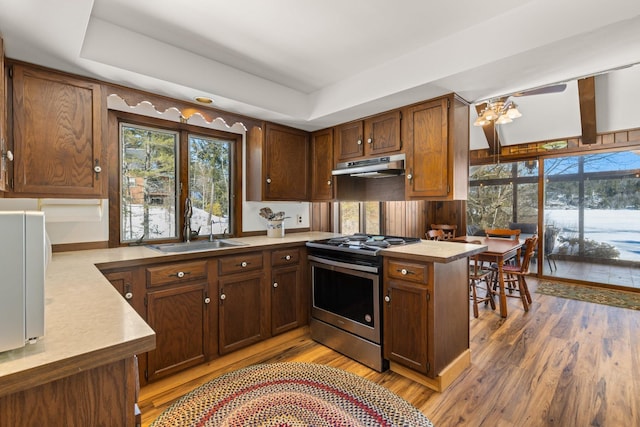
x=346 y=265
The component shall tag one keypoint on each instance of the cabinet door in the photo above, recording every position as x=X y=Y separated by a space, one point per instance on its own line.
x=426 y=138
x=4 y=159
x=285 y=299
x=405 y=324
x=348 y=141
x=322 y=165
x=179 y=317
x=57 y=129
x=382 y=133
x=241 y=311
x=286 y=160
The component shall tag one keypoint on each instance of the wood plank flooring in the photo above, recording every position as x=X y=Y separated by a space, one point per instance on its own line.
x=564 y=363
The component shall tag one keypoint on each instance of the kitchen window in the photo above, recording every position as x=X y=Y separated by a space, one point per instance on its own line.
x=148 y=192
x=161 y=164
x=359 y=217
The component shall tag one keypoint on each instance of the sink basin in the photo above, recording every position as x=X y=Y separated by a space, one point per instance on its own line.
x=197 y=246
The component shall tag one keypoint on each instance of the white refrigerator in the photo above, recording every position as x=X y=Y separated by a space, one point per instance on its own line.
x=23 y=258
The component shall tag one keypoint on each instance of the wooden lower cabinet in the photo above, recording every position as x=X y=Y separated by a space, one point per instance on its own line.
x=288 y=299
x=102 y=396
x=426 y=314
x=180 y=319
x=202 y=308
x=241 y=311
x=242 y=301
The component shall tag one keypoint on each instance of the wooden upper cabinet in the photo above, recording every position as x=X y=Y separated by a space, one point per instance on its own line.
x=373 y=136
x=322 y=182
x=382 y=133
x=348 y=143
x=436 y=135
x=277 y=164
x=57 y=134
x=4 y=156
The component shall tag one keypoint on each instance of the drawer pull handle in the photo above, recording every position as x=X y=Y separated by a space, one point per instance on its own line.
x=404 y=271
x=180 y=274
x=286 y=257
x=243 y=264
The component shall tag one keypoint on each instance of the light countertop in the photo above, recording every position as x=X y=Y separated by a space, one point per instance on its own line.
x=434 y=251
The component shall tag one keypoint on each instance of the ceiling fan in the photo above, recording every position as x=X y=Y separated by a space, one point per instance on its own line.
x=503 y=110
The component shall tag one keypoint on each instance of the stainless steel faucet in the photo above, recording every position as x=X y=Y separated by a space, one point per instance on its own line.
x=188 y=212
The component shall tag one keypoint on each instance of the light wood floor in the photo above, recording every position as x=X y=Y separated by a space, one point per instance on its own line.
x=564 y=363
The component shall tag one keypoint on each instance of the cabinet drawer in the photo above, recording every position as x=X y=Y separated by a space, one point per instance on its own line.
x=407 y=271
x=176 y=273
x=239 y=263
x=285 y=257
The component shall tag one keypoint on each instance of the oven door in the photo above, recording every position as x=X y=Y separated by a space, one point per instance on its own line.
x=347 y=296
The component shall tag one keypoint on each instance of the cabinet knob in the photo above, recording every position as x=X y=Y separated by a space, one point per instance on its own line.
x=369 y=141
x=207 y=300
x=97 y=169
x=7 y=154
x=387 y=298
x=223 y=297
x=404 y=271
x=409 y=176
x=329 y=182
x=275 y=284
x=128 y=295
x=180 y=274
x=244 y=264
x=359 y=142
x=287 y=257
x=268 y=180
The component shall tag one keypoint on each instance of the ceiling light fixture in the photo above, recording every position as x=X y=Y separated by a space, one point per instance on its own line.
x=203 y=99
x=499 y=111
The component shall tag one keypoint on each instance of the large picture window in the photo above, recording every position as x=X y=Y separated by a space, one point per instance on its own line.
x=148 y=183
x=161 y=167
x=589 y=224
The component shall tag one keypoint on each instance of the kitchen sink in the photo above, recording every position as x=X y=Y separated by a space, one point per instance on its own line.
x=196 y=246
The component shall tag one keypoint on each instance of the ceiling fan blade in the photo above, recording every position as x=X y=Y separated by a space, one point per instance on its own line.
x=543 y=90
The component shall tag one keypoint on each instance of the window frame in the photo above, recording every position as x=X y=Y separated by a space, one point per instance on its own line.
x=115 y=118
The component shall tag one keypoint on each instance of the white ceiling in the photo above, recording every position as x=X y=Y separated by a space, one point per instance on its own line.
x=313 y=64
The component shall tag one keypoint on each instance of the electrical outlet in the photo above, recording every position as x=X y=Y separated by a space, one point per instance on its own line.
x=299 y=219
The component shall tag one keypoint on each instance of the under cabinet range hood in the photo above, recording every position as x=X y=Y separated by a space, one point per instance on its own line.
x=378 y=167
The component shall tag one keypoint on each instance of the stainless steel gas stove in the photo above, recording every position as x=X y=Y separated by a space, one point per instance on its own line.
x=346 y=312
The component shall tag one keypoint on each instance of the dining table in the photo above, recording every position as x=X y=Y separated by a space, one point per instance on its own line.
x=499 y=250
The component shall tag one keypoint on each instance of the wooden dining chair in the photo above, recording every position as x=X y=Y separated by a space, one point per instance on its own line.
x=480 y=280
x=448 y=229
x=435 y=235
x=504 y=233
x=514 y=275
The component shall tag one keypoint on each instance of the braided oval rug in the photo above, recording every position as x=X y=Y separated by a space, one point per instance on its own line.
x=291 y=395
